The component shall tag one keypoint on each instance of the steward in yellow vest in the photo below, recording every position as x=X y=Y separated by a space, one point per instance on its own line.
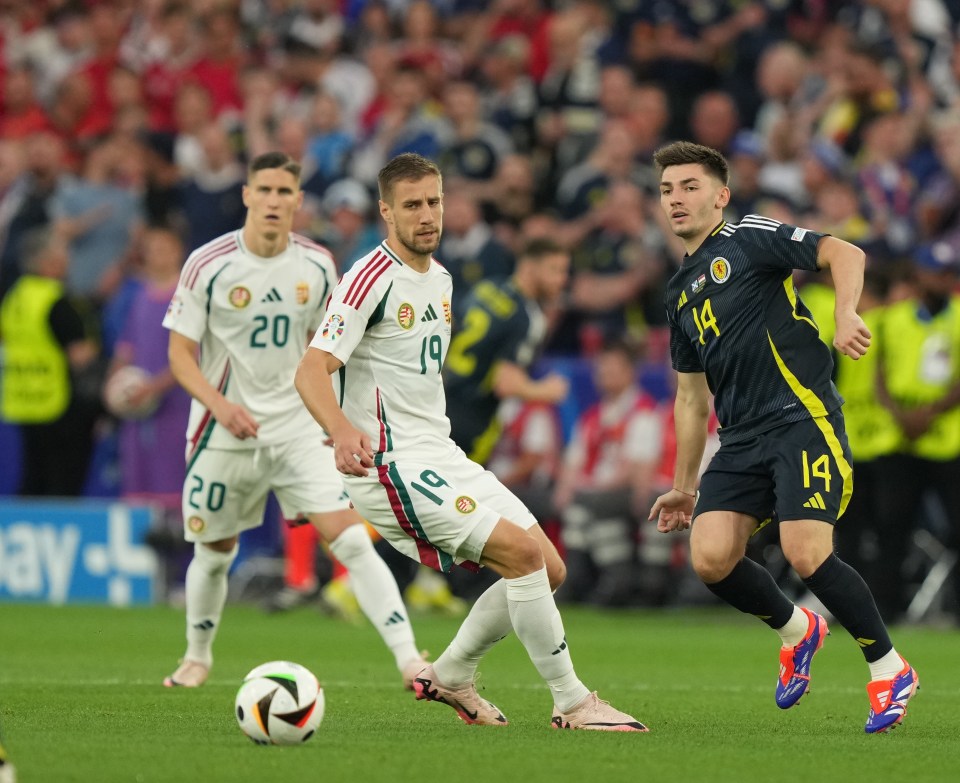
x=44 y=344
x=872 y=431
x=919 y=349
x=36 y=377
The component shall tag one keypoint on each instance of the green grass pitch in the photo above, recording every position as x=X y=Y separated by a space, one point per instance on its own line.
x=81 y=700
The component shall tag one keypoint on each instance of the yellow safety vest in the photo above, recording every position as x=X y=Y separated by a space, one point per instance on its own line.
x=921 y=363
x=871 y=429
x=36 y=376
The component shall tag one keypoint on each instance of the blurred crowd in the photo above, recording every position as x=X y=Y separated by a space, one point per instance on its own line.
x=125 y=126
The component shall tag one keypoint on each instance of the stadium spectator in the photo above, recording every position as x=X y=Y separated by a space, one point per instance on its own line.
x=714 y=120
x=616 y=263
x=473 y=148
x=608 y=465
x=409 y=122
x=499 y=334
x=192 y=112
x=422 y=46
x=470 y=251
x=29 y=204
x=249 y=299
x=919 y=339
x=21 y=114
x=426 y=497
x=866 y=90
x=780 y=76
x=54 y=50
x=510 y=198
x=48 y=355
x=783 y=450
x=568 y=93
x=526 y=458
x=209 y=197
x=330 y=144
x=12 y=185
x=162 y=61
x=150 y=445
x=350 y=232
x=312 y=63
x=509 y=95
x=220 y=61
x=585 y=185
x=888 y=188
x=99 y=215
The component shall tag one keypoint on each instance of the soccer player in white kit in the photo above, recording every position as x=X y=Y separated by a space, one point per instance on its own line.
x=384 y=338
x=239 y=321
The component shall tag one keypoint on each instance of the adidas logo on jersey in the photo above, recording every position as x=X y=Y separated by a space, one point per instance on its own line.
x=816 y=502
x=430 y=315
x=272 y=296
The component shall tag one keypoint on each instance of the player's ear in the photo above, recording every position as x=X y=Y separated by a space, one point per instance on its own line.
x=245 y=195
x=723 y=197
x=385 y=211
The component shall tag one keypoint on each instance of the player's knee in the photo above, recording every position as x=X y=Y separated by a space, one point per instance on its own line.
x=215 y=562
x=556 y=571
x=354 y=542
x=804 y=560
x=525 y=555
x=711 y=566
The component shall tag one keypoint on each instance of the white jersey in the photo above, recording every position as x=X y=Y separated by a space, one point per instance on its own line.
x=252 y=317
x=390 y=326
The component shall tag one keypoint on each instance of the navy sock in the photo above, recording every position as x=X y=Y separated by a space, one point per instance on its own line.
x=750 y=588
x=844 y=593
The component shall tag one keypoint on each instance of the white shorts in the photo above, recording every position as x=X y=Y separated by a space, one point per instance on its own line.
x=440 y=512
x=226 y=489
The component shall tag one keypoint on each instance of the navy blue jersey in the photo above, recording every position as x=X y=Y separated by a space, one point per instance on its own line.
x=499 y=323
x=735 y=315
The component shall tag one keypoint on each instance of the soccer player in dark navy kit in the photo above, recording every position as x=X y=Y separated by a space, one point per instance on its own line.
x=738 y=330
x=499 y=336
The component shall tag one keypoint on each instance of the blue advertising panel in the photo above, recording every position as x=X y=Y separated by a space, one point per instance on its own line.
x=76 y=552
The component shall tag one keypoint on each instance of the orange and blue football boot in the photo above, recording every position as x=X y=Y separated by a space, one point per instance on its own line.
x=795 y=662
x=888 y=700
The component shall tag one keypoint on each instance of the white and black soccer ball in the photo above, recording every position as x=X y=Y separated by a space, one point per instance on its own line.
x=279 y=703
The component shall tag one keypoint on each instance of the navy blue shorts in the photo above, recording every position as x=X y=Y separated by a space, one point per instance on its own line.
x=800 y=470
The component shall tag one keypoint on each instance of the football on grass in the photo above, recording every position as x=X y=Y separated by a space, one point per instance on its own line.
x=279 y=703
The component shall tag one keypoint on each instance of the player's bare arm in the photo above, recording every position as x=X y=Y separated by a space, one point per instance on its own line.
x=846 y=263
x=353 y=452
x=182 y=354
x=674 y=509
x=511 y=380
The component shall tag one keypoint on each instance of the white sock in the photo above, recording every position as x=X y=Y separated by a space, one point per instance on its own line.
x=537 y=622
x=796 y=628
x=376 y=591
x=206 y=594
x=486 y=624
x=888 y=667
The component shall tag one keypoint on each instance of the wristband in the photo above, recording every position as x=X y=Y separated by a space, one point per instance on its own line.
x=691 y=494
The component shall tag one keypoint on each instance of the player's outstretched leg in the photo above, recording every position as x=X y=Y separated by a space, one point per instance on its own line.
x=206 y=595
x=378 y=595
x=888 y=699
x=537 y=621
x=794 y=679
